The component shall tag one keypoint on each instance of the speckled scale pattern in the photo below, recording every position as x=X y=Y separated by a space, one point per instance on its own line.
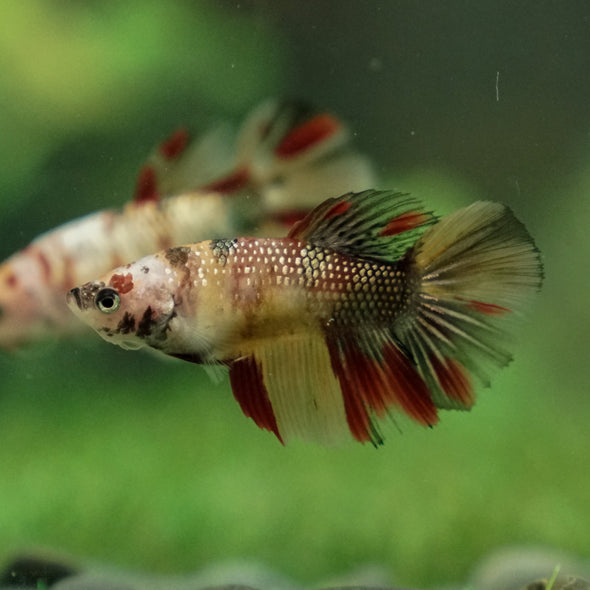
x=348 y=290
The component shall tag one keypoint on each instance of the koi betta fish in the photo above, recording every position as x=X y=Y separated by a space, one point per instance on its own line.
x=187 y=190
x=369 y=305
x=287 y=154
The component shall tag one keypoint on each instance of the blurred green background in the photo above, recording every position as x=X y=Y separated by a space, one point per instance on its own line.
x=121 y=458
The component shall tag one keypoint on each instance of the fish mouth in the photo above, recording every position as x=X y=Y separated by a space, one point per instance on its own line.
x=82 y=298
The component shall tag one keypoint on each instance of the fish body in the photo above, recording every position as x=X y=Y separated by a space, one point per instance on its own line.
x=369 y=305
x=33 y=281
x=187 y=190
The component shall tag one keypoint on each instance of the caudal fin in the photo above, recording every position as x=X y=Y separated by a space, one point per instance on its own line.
x=479 y=269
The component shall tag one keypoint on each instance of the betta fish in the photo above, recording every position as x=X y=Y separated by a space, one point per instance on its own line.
x=210 y=187
x=369 y=306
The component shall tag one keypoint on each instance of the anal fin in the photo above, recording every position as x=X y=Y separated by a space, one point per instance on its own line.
x=376 y=377
x=247 y=383
x=294 y=375
x=329 y=386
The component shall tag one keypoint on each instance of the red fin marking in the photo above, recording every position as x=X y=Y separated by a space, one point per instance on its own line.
x=357 y=416
x=250 y=392
x=289 y=218
x=454 y=380
x=404 y=222
x=305 y=136
x=409 y=389
x=231 y=183
x=487 y=308
x=378 y=385
x=175 y=144
x=368 y=376
x=116 y=261
x=301 y=226
x=122 y=283
x=298 y=228
x=338 y=209
x=146 y=188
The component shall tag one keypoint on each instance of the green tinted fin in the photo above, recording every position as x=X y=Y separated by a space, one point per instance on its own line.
x=379 y=225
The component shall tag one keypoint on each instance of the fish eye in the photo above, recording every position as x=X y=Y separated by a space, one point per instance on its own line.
x=107 y=300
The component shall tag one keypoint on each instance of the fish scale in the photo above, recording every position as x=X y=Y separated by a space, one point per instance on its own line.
x=335 y=287
x=370 y=306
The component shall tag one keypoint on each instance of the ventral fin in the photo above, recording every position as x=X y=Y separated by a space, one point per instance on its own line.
x=375 y=224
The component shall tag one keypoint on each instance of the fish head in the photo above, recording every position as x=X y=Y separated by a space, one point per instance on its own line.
x=131 y=306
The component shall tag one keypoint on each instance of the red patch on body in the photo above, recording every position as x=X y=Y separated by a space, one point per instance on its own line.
x=146 y=188
x=11 y=280
x=307 y=135
x=229 y=184
x=175 y=144
x=454 y=380
x=404 y=222
x=122 y=283
x=250 y=392
x=44 y=264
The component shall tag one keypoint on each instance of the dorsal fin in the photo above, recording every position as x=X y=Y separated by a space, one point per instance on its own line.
x=184 y=162
x=298 y=156
x=374 y=224
x=284 y=130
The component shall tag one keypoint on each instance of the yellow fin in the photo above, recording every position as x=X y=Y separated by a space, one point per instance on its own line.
x=304 y=393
